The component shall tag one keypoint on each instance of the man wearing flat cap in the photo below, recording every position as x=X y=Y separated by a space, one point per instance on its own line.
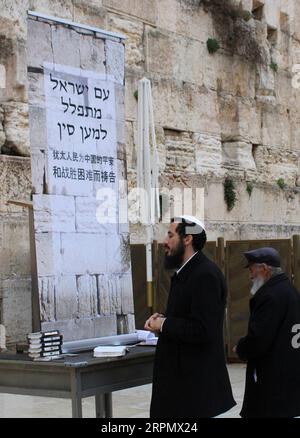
x=190 y=378
x=271 y=346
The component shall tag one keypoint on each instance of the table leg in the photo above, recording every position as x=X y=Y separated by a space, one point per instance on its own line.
x=76 y=395
x=76 y=406
x=103 y=403
x=108 y=405
x=100 y=406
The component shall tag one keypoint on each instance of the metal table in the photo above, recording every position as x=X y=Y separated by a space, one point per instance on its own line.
x=77 y=377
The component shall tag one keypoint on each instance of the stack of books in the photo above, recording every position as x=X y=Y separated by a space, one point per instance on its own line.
x=44 y=344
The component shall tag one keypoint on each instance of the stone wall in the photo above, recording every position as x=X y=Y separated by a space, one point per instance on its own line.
x=15 y=267
x=217 y=115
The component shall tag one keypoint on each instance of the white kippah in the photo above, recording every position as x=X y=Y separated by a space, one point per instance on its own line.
x=193 y=230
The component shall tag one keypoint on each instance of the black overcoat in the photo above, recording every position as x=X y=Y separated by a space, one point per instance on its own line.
x=271 y=349
x=190 y=376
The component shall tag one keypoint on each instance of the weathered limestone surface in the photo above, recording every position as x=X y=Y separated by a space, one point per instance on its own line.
x=216 y=115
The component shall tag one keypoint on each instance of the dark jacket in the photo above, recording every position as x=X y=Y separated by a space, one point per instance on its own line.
x=190 y=375
x=273 y=368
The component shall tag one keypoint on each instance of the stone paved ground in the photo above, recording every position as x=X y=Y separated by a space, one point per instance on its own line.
x=129 y=403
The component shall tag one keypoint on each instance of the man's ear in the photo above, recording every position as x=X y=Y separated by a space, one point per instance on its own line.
x=188 y=239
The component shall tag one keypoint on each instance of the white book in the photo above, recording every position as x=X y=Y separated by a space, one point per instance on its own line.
x=41 y=349
x=109 y=351
x=42 y=335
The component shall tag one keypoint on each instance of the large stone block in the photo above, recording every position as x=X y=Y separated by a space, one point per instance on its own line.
x=54 y=7
x=38 y=131
x=39 y=44
x=186 y=107
x=104 y=288
x=84 y=328
x=84 y=253
x=66 y=301
x=70 y=39
x=90 y=13
x=239 y=119
x=228 y=117
x=275 y=126
x=123 y=225
x=295 y=129
x=230 y=75
x=16 y=128
x=127 y=305
x=238 y=154
x=92 y=56
x=54 y=213
x=131 y=102
x=265 y=82
x=120 y=106
x=14 y=16
x=87 y=296
x=14 y=248
x=185 y=18
x=145 y=10
x=48 y=289
x=39 y=171
x=36 y=90
x=180 y=153
x=272 y=166
x=249 y=121
x=16 y=313
x=134 y=43
x=284 y=91
x=115 y=66
x=115 y=295
x=208 y=154
x=15 y=182
x=118 y=253
x=282 y=54
x=272 y=13
x=185 y=56
x=48 y=253
x=90 y=214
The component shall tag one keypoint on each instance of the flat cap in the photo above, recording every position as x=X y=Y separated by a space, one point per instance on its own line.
x=266 y=255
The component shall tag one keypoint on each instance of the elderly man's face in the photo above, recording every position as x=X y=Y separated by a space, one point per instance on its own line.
x=259 y=274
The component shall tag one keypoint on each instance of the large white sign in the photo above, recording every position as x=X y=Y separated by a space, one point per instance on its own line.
x=81 y=131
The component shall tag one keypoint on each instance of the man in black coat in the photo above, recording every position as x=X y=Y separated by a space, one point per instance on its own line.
x=190 y=377
x=271 y=346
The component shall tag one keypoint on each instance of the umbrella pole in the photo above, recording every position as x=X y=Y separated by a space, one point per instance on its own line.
x=149 y=267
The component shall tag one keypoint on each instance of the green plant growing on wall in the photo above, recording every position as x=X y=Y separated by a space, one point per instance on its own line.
x=274 y=66
x=229 y=193
x=235 y=29
x=281 y=183
x=212 y=45
x=249 y=188
x=136 y=94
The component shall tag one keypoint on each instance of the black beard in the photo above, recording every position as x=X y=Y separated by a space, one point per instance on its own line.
x=175 y=260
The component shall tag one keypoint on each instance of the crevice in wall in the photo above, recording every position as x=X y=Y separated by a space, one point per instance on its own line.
x=9 y=148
